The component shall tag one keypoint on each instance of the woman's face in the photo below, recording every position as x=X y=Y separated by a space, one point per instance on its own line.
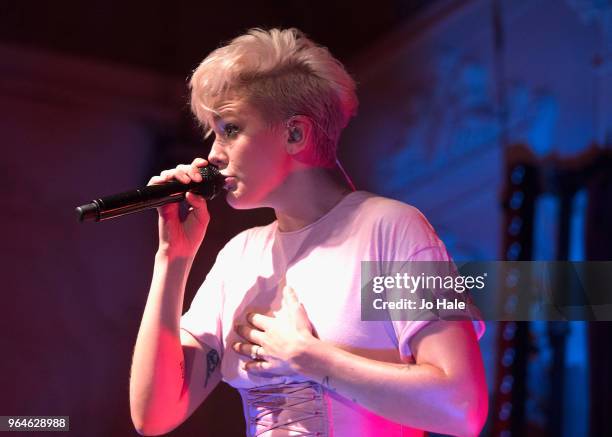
x=250 y=153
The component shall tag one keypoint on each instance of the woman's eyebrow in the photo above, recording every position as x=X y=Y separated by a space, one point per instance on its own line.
x=227 y=109
x=223 y=115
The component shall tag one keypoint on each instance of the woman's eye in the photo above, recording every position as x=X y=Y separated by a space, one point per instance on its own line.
x=230 y=130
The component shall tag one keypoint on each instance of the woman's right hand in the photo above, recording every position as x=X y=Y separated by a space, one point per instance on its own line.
x=182 y=238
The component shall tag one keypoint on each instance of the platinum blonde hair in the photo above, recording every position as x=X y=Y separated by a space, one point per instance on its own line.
x=285 y=73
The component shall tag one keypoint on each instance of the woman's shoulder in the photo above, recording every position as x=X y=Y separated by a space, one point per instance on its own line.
x=396 y=222
x=382 y=209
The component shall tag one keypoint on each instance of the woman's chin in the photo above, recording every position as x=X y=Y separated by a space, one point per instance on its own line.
x=238 y=201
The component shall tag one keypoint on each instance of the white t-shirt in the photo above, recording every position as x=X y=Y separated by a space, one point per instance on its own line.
x=322 y=263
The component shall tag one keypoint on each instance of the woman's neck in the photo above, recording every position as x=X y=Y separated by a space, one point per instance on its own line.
x=307 y=195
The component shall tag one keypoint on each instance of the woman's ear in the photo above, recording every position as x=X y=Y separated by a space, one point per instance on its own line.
x=298 y=135
x=295 y=135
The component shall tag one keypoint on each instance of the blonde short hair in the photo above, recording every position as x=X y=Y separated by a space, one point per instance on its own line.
x=285 y=73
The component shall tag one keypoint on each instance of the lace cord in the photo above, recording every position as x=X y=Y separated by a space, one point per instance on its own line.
x=304 y=400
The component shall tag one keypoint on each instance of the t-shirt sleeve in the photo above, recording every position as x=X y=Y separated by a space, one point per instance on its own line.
x=424 y=246
x=203 y=319
x=406 y=329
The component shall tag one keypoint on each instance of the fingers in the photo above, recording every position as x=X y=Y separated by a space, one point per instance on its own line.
x=199 y=162
x=252 y=351
x=196 y=201
x=289 y=297
x=193 y=170
x=184 y=173
x=258 y=366
x=251 y=335
x=259 y=321
x=297 y=309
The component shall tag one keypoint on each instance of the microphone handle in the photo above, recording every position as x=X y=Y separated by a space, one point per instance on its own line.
x=149 y=197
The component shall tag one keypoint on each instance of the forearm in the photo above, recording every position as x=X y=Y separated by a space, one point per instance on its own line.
x=158 y=364
x=418 y=395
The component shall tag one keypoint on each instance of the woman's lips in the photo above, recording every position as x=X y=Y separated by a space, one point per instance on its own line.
x=231 y=183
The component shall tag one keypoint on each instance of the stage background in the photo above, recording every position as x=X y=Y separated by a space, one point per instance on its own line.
x=93 y=100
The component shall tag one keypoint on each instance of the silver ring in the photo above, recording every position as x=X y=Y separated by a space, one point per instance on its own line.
x=255 y=352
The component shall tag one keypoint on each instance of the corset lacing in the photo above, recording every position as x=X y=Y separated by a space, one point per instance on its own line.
x=297 y=408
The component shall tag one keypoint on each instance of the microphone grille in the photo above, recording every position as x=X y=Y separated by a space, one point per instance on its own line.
x=212 y=182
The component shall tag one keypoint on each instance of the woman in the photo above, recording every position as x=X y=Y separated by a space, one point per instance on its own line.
x=278 y=316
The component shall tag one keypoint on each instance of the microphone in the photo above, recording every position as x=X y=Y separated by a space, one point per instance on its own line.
x=151 y=196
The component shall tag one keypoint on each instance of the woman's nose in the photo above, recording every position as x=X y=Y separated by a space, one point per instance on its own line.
x=217 y=156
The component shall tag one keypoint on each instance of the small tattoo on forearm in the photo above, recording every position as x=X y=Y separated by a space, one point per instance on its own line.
x=212 y=361
x=325 y=383
x=182 y=370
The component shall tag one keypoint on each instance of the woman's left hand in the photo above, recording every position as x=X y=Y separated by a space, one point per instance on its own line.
x=273 y=343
